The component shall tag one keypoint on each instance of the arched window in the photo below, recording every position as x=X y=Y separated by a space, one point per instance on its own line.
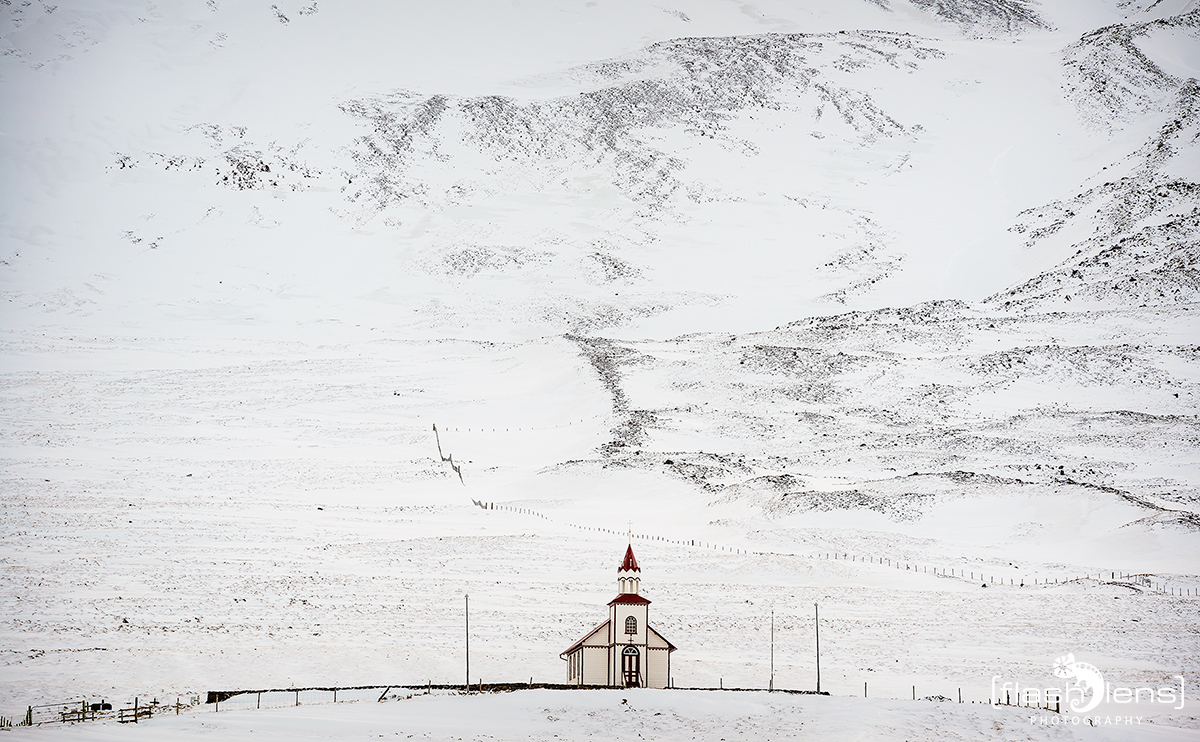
x=630 y=625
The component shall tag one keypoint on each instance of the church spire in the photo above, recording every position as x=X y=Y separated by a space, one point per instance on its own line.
x=629 y=579
x=630 y=564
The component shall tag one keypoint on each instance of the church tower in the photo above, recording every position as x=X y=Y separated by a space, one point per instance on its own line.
x=624 y=651
x=629 y=614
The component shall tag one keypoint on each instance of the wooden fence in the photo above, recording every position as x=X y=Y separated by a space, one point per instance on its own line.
x=72 y=712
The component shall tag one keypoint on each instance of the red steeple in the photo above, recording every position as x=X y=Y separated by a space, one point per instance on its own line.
x=630 y=564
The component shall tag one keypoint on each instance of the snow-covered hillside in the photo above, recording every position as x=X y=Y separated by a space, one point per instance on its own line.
x=900 y=280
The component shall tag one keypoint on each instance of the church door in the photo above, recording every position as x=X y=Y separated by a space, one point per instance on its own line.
x=631 y=667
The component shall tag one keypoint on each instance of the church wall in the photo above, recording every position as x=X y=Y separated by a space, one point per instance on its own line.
x=595 y=666
x=658 y=661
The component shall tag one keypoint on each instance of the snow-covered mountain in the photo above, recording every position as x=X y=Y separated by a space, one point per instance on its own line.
x=906 y=278
x=171 y=161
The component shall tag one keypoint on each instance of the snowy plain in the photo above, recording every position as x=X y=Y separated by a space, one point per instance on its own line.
x=763 y=282
x=617 y=714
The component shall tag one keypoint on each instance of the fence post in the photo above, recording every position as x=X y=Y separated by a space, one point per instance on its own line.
x=258 y=703
x=135 y=707
x=864 y=689
x=960 y=695
x=297 y=696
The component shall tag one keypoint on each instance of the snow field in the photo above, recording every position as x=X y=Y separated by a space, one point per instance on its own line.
x=619 y=714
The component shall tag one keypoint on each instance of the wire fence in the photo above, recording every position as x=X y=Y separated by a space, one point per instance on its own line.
x=1143 y=581
x=274 y=698
x=1137 y=581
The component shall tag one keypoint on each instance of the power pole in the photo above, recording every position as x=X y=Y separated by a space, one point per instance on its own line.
x=467 y=615
x=771 y=686
x=817 y=624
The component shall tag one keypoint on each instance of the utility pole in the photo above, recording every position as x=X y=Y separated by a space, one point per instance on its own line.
x=817 y=624
x=467 y=615
x=771 y=686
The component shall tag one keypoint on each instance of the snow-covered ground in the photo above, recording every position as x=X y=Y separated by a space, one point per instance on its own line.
x=883 y=306
x=620 y=714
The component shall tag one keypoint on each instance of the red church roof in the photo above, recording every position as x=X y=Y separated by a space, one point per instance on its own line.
x=630 y=563
x=629 y=598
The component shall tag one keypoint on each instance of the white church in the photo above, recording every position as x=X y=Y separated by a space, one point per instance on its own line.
x=624 y=651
